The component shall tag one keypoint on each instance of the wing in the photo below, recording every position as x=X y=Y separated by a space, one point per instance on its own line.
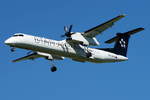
x=28 y=57
x=102 y=27
x=38 y=55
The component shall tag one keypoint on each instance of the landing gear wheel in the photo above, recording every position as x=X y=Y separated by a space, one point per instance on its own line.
x=53 y=69
x=12 y=49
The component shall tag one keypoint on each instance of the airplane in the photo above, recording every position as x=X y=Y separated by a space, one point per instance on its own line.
x=76 y=46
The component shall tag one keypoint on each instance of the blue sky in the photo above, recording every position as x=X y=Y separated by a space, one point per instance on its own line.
x=74 y=81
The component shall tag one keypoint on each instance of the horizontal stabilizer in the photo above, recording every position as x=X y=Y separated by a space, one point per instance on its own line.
x=123 y=34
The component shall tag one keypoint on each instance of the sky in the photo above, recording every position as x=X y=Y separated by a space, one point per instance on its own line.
x=32 y=80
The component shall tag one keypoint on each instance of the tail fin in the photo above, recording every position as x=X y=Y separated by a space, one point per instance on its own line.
x=122 y=39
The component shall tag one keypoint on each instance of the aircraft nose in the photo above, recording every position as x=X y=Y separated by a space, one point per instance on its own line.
x=8 y=41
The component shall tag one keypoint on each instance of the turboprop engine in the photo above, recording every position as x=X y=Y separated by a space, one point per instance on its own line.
x=79 y=38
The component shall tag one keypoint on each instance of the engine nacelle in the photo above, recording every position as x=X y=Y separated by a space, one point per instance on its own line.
x=78 y=37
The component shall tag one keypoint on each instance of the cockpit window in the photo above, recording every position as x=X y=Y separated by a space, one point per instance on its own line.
x=17 y=35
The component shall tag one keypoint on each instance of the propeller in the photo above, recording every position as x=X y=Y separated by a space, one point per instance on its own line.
x=67 y=31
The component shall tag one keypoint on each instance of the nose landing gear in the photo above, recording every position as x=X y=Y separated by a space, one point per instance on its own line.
x=53 y=68
x=12 y=49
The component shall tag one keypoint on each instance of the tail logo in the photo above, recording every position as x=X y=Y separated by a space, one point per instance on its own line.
x=122 y=43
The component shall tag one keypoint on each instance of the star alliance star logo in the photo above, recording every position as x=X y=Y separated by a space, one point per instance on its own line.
x=122 y=43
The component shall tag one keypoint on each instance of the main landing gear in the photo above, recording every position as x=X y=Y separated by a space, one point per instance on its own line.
x=53 y=68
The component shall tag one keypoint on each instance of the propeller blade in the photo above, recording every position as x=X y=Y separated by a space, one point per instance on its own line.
x=65 y=29
x=70 y=28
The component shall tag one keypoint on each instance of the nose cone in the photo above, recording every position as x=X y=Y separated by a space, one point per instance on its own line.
x=8 y=41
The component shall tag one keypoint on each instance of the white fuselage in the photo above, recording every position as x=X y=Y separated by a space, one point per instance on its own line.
x=62 y=48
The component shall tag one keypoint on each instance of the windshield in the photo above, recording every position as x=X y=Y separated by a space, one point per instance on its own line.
x=17 y=35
